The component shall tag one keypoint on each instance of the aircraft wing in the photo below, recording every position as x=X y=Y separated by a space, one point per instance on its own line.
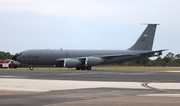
x=99 y=59
x=103 y=57
x=150 y=53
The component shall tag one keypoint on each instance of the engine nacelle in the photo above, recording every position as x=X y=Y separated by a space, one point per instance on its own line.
x=93 y=61
x=70 y=63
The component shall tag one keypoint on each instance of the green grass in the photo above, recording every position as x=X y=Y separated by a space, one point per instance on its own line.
x=136 y=68
x=107 y=68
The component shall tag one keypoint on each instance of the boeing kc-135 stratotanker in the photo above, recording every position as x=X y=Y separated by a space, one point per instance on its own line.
x=85 y=59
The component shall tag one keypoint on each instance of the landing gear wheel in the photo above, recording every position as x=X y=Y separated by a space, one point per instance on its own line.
x=89 y=67
x=15 y=67
x=83 y=68
x=31 y=67
x=78 y=68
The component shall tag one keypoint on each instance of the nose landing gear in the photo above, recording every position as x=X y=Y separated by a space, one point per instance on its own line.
x=31 y=67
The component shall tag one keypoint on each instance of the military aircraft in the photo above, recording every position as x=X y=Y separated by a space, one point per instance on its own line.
x=85 y=59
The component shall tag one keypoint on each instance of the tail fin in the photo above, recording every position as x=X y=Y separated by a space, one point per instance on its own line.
x=145 y=41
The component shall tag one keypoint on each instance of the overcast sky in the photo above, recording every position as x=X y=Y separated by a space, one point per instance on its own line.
x=86 y=24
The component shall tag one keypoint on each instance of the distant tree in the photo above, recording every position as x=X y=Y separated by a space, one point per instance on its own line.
x=167 y=59
x=170 y=55
x=177 y=58
x=144 y=61
x=5 y=55
x=151 y=63
x=159 y=62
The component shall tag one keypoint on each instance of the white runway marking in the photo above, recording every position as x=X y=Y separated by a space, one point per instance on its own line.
x=166 y=87
x=49 y=85
x=162 y=95
x=9 y=76
x=172 y=86
x=173 y=71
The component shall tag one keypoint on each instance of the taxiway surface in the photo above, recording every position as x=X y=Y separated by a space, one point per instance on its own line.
x=98 y=88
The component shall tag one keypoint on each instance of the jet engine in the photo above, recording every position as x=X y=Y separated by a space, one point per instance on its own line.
x=69 y=63
x=92 y=61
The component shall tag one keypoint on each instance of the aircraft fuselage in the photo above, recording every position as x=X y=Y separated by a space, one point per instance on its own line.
x=49 y=57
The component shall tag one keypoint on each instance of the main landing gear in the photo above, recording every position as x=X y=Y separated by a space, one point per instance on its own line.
x=31 y=67
x=83 y=68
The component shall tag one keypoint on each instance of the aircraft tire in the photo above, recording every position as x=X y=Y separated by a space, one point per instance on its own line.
x=31 y=67
x=89 y=67
x=78 y=68
x=83 y=68
x=15 y=67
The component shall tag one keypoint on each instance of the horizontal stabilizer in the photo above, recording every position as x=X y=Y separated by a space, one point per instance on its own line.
x=153 y=53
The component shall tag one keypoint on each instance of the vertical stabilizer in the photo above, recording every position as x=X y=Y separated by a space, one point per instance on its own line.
x=145 y=41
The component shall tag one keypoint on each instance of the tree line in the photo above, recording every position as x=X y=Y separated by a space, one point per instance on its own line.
x=169 y=60
x=5 y=55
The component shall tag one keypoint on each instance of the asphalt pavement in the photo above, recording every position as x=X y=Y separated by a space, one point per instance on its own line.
x=97 y=88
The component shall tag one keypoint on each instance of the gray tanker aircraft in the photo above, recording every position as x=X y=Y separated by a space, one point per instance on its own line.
x=85 y=59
